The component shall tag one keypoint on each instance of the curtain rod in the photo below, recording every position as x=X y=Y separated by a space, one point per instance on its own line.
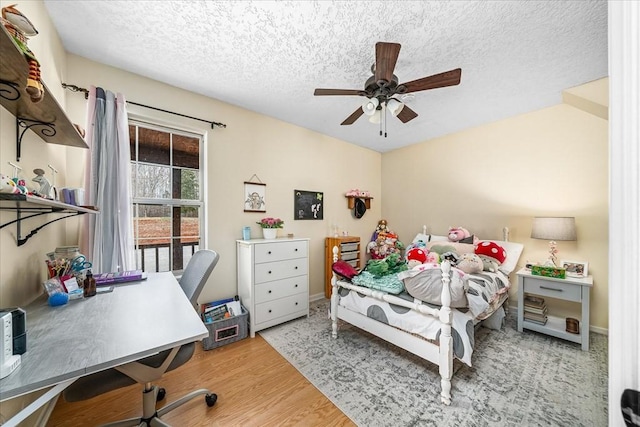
x=75 y=88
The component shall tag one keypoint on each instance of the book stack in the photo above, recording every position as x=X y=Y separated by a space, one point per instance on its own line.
x=535 y=309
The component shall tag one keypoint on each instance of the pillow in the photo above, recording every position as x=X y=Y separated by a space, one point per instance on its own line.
x=436 y=238
x=344 y=269
x=514 y=250
x=424 y=282
x=459 y=248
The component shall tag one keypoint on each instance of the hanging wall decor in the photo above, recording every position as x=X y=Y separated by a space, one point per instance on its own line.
x=255 y=196
x=307 y=204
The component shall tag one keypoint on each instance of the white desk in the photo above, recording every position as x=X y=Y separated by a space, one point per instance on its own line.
x=93 y=334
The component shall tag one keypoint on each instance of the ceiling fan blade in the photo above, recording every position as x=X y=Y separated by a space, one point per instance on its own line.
x=386 y=57
x=353 y=117
x=448 y=78
x=320 y=92
x=406 y=114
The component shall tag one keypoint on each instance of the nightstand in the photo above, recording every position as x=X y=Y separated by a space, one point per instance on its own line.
x=570 y=289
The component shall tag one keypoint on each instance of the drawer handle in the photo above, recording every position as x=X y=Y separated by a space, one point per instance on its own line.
x=269 y=253
x=296 y=267
x=550 y=289
x=296 y=285
x=269 y=291
x=269 y=271
x=296 y=250
x=296 y=303
x=269 y=311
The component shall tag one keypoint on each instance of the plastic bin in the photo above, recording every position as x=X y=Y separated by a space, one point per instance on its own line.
x=226 y=331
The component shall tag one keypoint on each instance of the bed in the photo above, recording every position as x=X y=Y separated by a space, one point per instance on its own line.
x=440 y=328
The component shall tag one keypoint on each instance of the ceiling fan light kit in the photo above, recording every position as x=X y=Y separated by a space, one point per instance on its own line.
x=380 y=88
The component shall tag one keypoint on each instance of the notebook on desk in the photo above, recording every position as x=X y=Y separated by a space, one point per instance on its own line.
x=104 y=279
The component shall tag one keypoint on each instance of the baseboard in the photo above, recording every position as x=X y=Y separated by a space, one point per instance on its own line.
x=316 y=297
x=513 y=310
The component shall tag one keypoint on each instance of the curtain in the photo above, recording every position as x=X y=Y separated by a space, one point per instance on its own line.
x=107 y=239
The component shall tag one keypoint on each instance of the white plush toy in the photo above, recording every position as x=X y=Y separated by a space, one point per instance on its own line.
x=7 y=185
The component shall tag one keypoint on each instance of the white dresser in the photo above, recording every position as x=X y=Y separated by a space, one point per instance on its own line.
x=273 y=280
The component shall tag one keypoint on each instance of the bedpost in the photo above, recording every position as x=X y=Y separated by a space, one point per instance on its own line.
x=334 y=297
x=446 y=341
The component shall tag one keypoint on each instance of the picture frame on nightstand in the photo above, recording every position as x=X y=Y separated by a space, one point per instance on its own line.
x=575 y=268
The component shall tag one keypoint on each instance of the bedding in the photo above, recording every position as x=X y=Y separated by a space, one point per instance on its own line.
x=488 y=291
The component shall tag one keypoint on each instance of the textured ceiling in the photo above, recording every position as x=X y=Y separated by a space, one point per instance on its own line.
x=268 y=57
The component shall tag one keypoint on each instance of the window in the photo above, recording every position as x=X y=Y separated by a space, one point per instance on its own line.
x=166 y=175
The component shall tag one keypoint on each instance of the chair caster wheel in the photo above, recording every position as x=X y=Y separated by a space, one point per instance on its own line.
x=211 y=399
x=161 y=394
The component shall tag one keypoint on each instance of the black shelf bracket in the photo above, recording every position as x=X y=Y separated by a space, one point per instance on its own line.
x=24 y=213
x=9 y=90
x=22 y=125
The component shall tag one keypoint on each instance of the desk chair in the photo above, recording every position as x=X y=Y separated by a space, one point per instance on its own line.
x=151 y=368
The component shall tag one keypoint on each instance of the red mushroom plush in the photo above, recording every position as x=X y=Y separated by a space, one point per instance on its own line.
x=416 y=256
x=492 y=255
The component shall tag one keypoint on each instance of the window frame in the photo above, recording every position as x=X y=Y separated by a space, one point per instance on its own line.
x=171 y=129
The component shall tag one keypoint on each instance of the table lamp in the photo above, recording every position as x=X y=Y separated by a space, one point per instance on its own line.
x=552 y=229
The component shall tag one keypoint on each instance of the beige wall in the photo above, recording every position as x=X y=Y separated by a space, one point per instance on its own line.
x=551 y=162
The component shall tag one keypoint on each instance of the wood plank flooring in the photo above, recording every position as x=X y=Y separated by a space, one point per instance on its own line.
x=255 y=385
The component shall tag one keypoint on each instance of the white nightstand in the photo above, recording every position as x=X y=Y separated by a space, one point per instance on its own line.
x=569 y=289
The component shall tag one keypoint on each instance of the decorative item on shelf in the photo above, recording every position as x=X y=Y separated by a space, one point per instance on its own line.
x=552 y=229
x=46 y=189
x=270 y=227
x=546 y=271
x=359 y=201
x=575 y=268
x=20 y=29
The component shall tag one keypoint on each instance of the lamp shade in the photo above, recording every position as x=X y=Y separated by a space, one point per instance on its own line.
x=554 y=228
x=369 y=106
x=376 y=117
x=394 y=106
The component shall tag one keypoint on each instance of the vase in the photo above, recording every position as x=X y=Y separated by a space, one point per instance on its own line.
x=269 y=233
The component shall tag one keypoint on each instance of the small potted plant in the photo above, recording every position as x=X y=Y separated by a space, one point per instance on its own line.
x=270 y=227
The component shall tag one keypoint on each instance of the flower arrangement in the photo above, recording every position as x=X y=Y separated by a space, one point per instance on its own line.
x=271 y=223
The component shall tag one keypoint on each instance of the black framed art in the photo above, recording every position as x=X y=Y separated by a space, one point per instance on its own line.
x=307 y=205
x=254 y=197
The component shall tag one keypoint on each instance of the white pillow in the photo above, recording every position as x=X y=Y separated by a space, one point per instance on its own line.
x=514 y=250
x=436 y=238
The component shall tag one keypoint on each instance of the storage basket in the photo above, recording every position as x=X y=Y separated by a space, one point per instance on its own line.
x=226 y=331
x=346 y=247
x=348 y=256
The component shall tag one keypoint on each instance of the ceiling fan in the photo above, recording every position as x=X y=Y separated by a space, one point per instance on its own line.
x=382 y=88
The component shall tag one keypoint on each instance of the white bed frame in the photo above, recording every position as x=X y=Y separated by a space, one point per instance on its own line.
x=441 y=355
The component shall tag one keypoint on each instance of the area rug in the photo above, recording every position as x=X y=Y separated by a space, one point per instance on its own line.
x=517 y=379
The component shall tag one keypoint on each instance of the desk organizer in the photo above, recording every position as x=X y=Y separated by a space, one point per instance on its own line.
x=226 y=331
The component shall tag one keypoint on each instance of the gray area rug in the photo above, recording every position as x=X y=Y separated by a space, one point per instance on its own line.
x=517 y=379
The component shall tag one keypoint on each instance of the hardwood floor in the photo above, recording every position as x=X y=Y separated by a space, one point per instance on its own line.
x=255 y=385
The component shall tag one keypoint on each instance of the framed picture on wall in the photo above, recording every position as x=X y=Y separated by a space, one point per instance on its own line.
x=575 y=268
x=308 y=205
x=255 y=197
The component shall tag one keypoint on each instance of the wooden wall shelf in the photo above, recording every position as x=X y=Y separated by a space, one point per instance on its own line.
x=351 y=201
x=46 y=118
x=31 y=206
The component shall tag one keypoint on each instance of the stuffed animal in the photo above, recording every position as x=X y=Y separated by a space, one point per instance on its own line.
x=7 y=185
x=384 y=242
x=46 y=190
x=461 y=235
x=492 y=255
x=392 y=264
x=470 y=263
x=416 y=256
x=20 y=28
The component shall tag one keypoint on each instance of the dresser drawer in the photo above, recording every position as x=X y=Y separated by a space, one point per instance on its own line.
x=271 y=271
x=282 y=307
x=279 y=251
x=553 y=289
x=348 y=256
x=281 y=288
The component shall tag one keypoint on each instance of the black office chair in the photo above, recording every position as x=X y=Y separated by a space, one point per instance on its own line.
x=150 y=369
